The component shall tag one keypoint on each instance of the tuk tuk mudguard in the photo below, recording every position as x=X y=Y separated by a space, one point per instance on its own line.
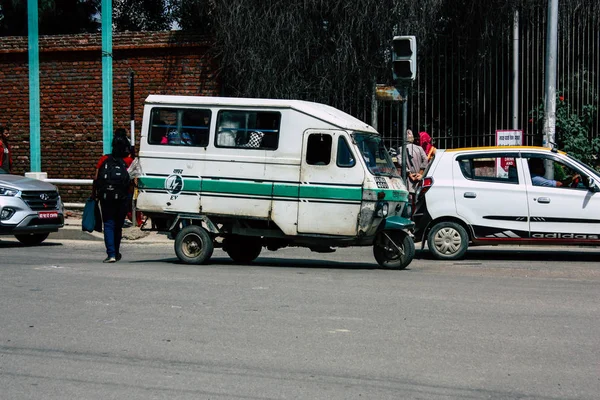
x=396 y=223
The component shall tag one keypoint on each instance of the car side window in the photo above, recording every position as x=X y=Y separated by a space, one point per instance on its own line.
x=548 y=172
x=490 y=168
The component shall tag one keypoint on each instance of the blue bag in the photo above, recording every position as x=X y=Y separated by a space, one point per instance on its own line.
x=91 y=219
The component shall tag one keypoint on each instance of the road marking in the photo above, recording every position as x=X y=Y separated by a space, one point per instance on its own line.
x=339 y=331
x=48 y=267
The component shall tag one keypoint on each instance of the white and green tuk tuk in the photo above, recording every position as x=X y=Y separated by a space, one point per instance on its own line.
x=247 y=174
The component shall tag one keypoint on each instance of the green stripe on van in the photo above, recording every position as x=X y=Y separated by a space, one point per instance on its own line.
x=289 y=190
x=151 y=182
x=285 y=190
x=236 y=187
x=330 y=192
x=192 y=185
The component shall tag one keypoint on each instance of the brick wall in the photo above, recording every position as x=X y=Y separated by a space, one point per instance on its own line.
x=71 y=93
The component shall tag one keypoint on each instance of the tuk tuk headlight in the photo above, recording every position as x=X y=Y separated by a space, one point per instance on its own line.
x=382 y=209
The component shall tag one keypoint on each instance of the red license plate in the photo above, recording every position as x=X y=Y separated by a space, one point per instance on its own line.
x=48 y=214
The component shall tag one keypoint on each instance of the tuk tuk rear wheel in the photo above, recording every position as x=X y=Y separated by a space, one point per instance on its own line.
x=394 y=249
x=242 y=249
x=193 y=245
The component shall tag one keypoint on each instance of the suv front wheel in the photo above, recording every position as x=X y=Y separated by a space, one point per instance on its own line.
x=32 y=239
x=448 y=240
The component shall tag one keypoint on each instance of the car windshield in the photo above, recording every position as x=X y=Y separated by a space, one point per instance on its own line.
x=375 y=154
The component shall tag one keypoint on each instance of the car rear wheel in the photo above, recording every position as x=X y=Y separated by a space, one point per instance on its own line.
x=32 y=239
x=448 y=241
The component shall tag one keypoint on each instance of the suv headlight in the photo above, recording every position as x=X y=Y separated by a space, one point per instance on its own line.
x=4 y=191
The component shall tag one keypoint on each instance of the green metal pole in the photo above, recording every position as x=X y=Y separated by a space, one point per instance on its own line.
x=107 y=76
x=34 y=86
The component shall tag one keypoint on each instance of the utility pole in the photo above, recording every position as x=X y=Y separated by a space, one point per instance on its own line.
x=107 y=76
x=515 y=74
x=34 y=89
x=550 y=75
x=550 y=84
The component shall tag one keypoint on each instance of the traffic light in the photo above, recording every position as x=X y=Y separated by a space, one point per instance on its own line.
x=404 y=58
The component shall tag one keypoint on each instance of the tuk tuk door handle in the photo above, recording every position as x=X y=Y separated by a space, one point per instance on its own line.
x=470 y=195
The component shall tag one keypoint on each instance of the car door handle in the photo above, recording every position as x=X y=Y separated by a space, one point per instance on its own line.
x=470 y=195
x=543 y=200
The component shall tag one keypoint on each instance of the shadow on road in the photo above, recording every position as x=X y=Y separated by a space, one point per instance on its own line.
x=498 y=254
x=7 y=244
x=280 y=263
x=301 y=263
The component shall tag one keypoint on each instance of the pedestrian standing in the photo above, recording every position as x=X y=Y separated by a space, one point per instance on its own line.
x=5 y=153
x=416 y=162
x=427 y=145
x=111 y=189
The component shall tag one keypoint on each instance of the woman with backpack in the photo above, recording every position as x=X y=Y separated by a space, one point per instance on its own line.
x=111 y=189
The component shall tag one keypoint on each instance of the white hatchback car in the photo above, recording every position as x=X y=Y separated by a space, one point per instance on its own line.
x=506 y=195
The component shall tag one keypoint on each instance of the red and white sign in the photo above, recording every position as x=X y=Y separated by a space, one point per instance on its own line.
x=507 y=138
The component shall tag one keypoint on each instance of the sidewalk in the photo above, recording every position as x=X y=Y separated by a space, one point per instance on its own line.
x=72 y=231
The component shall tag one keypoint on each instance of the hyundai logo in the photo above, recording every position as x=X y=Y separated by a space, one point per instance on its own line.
x=44 y=196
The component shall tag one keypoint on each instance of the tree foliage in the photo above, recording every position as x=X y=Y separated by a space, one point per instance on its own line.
x=573 y=129
x=55 y=17
x=142 y=15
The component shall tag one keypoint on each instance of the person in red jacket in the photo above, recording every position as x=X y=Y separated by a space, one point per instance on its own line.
x=427 y=145
x=5 y=153
x=113 y=210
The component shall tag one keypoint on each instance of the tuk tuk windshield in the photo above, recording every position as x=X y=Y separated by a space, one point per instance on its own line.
x=375 y=154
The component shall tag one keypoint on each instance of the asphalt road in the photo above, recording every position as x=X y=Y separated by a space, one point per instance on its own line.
x=501 y=324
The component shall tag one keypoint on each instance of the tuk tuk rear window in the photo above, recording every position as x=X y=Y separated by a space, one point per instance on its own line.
x=248 y=129
x=179 y=127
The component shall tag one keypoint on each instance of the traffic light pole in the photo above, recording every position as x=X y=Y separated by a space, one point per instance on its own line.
x=404 y=95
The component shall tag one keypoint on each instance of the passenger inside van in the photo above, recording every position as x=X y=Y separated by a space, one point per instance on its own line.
x=227 y=134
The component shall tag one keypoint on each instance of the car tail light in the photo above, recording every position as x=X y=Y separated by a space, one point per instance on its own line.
x=426 y=185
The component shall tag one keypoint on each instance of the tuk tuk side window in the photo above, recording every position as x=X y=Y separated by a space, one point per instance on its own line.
x=179 y=127
x=248 y=129
x=318 y=149
x=345 y=158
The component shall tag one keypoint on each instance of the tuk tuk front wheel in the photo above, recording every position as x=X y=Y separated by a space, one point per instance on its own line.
x=193 y=245
x=393 y=249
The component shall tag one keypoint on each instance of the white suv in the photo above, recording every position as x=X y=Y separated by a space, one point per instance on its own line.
x=489 y=195
x=29 y=209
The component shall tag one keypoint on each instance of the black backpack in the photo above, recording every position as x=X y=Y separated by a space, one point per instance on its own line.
x=113 y=179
